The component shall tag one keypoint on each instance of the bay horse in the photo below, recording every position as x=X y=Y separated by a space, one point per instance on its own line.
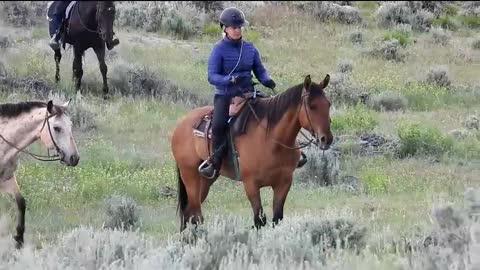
x=90 y=25
x=268 y=149
x=21 y=124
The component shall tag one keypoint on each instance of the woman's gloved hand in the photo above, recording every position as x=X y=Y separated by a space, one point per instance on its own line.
x=270 y=84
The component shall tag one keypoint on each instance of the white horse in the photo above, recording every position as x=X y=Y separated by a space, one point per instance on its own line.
x=22 y=124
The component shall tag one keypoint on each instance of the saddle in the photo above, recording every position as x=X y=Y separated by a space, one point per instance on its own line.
x=239 y=115
x=238 y=112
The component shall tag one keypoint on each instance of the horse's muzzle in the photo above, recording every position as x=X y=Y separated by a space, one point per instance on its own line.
x=73 y=160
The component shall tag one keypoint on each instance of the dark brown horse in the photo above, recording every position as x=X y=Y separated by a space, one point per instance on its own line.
x=90 y=25
x=268 y=150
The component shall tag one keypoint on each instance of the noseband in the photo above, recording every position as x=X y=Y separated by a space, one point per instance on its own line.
x=41 y=157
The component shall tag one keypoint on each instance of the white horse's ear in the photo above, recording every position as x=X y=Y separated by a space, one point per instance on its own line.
x=65 y=105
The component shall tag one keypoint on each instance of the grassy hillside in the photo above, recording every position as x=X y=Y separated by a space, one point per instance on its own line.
x=404 y=167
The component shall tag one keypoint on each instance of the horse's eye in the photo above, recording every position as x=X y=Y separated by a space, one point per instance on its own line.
x=313 y=107
x=57 y=129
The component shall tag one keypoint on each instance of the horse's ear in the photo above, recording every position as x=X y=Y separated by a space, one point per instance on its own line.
x=307 y=83
x=325 y=81
x=65 y=105
x=50 y=106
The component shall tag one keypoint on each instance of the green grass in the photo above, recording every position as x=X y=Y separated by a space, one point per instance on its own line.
x=129 y=153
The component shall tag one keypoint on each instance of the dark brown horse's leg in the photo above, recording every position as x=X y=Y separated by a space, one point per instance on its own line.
x=100 y=52
x=77 y=67
x=58 y=58
x=280 y=192
x=10 y=186
x=253 y=194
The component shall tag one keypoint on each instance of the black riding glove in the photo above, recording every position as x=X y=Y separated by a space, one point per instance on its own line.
x=270 y=84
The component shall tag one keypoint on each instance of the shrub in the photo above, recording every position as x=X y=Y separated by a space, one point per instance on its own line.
x=327 y=11
x=345 y=66
x=470 y=8
x=440 y=36
x=132 y=80
x=439 y=75
x=122 y=213
x=388 y=101
x=343 y=90
x=392 y=13
x=472 y=122
x=403 y=38
x=22 y=13
x=476 y=44
x=423 y=140
x=5 y=42
x=322 y=167
x=388 y=49
x=356 y=37
x=445 y=22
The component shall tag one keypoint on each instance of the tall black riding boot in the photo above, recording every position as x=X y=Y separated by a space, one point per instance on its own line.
x=213 y=167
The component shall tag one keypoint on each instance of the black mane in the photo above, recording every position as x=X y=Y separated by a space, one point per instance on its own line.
x=10 y=110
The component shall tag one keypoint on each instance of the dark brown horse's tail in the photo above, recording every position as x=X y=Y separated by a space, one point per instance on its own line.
x=181 y=194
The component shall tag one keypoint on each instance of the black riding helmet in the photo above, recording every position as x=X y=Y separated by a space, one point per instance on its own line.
x=232 y=17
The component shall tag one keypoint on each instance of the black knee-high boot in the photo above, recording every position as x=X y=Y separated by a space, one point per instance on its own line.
x=221 y=105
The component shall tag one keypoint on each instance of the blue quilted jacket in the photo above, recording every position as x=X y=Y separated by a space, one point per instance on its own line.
x=222 y=61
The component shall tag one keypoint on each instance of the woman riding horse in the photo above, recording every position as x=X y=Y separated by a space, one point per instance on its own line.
x=229 y=69
x=56 y=21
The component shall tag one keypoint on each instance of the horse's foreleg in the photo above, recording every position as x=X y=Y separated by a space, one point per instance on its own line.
x=77 y=68
x=280 y=192
x=10 y=186
x=253 y=194
x=100 y=52
x=58 y=58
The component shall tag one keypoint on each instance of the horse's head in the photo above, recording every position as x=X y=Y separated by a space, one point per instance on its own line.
x=105 y=18
x=57 y=134
x=315 y=111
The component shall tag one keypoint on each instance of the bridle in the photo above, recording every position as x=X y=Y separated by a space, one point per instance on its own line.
x=55 y=157
x=97 y=18
x=315 y=140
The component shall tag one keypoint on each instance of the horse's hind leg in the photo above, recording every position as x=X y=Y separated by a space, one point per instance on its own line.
x=10 y=186
x=58 y=58
x=193 y=211
x=77 y=67
x=100 y=52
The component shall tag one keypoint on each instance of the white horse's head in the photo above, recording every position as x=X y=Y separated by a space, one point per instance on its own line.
x=57 y=134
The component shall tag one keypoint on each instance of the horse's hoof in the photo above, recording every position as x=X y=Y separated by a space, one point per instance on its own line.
x=19 y=242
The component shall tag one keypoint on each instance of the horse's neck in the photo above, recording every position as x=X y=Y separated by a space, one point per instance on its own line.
x=20 y=131
x=287 y=129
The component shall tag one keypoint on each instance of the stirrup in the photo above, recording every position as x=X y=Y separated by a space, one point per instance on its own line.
x=203 y=166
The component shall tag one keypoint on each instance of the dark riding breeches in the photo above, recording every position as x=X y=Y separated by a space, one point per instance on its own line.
x=221 y=105
x=58 y=15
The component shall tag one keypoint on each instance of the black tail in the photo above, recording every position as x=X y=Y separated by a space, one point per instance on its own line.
x=181 y=195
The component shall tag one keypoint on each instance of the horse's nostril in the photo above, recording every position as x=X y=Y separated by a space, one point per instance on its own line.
x=74 y=159
x=323 y=139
